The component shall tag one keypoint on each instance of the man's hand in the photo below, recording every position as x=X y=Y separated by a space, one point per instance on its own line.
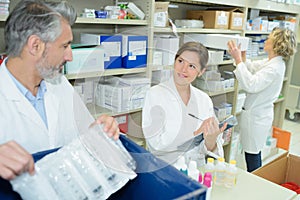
x=110 y=125
x=14 y=160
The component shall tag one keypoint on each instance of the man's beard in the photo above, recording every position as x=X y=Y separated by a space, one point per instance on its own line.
x=51 y=74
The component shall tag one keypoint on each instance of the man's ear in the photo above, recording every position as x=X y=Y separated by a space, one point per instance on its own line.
x=201 y=72
x=35 y=45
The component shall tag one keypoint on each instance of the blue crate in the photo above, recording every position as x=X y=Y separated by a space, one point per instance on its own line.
x=156 y=179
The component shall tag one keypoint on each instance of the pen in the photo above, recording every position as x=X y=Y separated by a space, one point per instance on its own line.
x=195 y=117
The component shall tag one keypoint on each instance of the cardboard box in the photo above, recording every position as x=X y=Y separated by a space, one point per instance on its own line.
x=134 y=52
x=86 y=60
x=211 y=18
x=236 y=19
x=215 y=57
x=217 y=41
x=161 y=16
x=283 y=169
x=112 y=45
x=168 y=45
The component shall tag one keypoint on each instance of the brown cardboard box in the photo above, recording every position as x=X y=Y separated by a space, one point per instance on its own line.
x=236 y=19
x=211 y=18
x=161 y=16
x=281 y=170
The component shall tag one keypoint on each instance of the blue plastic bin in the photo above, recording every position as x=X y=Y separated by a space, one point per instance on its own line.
x=156 y=179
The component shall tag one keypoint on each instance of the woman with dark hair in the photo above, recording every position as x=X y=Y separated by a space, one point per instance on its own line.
x=175 y=111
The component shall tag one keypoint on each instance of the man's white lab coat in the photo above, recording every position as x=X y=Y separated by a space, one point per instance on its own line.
x=19 y=120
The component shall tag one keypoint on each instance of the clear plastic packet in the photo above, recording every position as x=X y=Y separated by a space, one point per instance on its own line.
x=92 y=166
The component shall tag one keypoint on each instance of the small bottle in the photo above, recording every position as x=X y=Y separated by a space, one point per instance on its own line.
x=210 y=166
x=207 y=181
x=200 y=178
x=220 y=172
x=193 y=172
x=231 y=171
x=184 y=169
x=180 y=165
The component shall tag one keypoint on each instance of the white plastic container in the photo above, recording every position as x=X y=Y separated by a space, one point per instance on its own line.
x=231 y=172
x=193 y=172
x=220 y=170
x=210 y=166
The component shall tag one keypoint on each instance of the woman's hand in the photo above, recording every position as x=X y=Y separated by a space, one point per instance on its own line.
x=236 y=53
x=211 y=131
x=110 y=125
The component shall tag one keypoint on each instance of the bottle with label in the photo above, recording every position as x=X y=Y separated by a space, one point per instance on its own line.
x=231 y=172
x=207 y=181
x=220 y=172
x=193 y=172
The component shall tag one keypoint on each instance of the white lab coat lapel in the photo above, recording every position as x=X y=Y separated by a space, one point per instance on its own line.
x=8 y=87
x=52 y=111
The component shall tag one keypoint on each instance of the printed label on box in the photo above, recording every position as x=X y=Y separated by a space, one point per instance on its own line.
x=238 y=21
x=222 y=19
x=137 y=48
x=131 y=57
x=112 y=48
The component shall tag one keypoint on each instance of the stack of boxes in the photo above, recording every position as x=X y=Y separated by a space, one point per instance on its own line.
x=268 y=23
x=219 y=19
x=121 y=94
x=115 y=51
x=165 y=49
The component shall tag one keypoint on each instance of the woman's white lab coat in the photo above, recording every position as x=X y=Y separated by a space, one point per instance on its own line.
x=167 y=124
x=19 y=120
x=262 y=81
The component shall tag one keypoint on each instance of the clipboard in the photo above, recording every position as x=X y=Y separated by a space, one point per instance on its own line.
x=191 y=143
x=196 y=140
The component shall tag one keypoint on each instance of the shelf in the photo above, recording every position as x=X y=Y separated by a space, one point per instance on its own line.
x=82 y=20
x=226 y=62
x=3 y=18
x=211 y=94
x=257 y=32
x=195 y=30
x=279 y=100
x=96 y=111
x=157 y=68
x=108 y=72
x=274 y=6
x=239 y=3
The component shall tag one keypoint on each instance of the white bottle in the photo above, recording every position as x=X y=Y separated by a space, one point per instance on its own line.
x=193 y=172
x=180 y=165
x=210 y=166
x=207 y=181
x=231 y=172
x=220 y=172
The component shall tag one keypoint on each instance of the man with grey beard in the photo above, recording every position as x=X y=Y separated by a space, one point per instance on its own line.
x=39 y=108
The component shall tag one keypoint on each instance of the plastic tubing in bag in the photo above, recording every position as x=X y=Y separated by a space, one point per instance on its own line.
x=111 y=152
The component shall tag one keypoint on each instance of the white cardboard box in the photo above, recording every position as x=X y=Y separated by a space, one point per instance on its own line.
x=217 y=41
x=215 y=57
x=169 y=46
x=86 y=60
